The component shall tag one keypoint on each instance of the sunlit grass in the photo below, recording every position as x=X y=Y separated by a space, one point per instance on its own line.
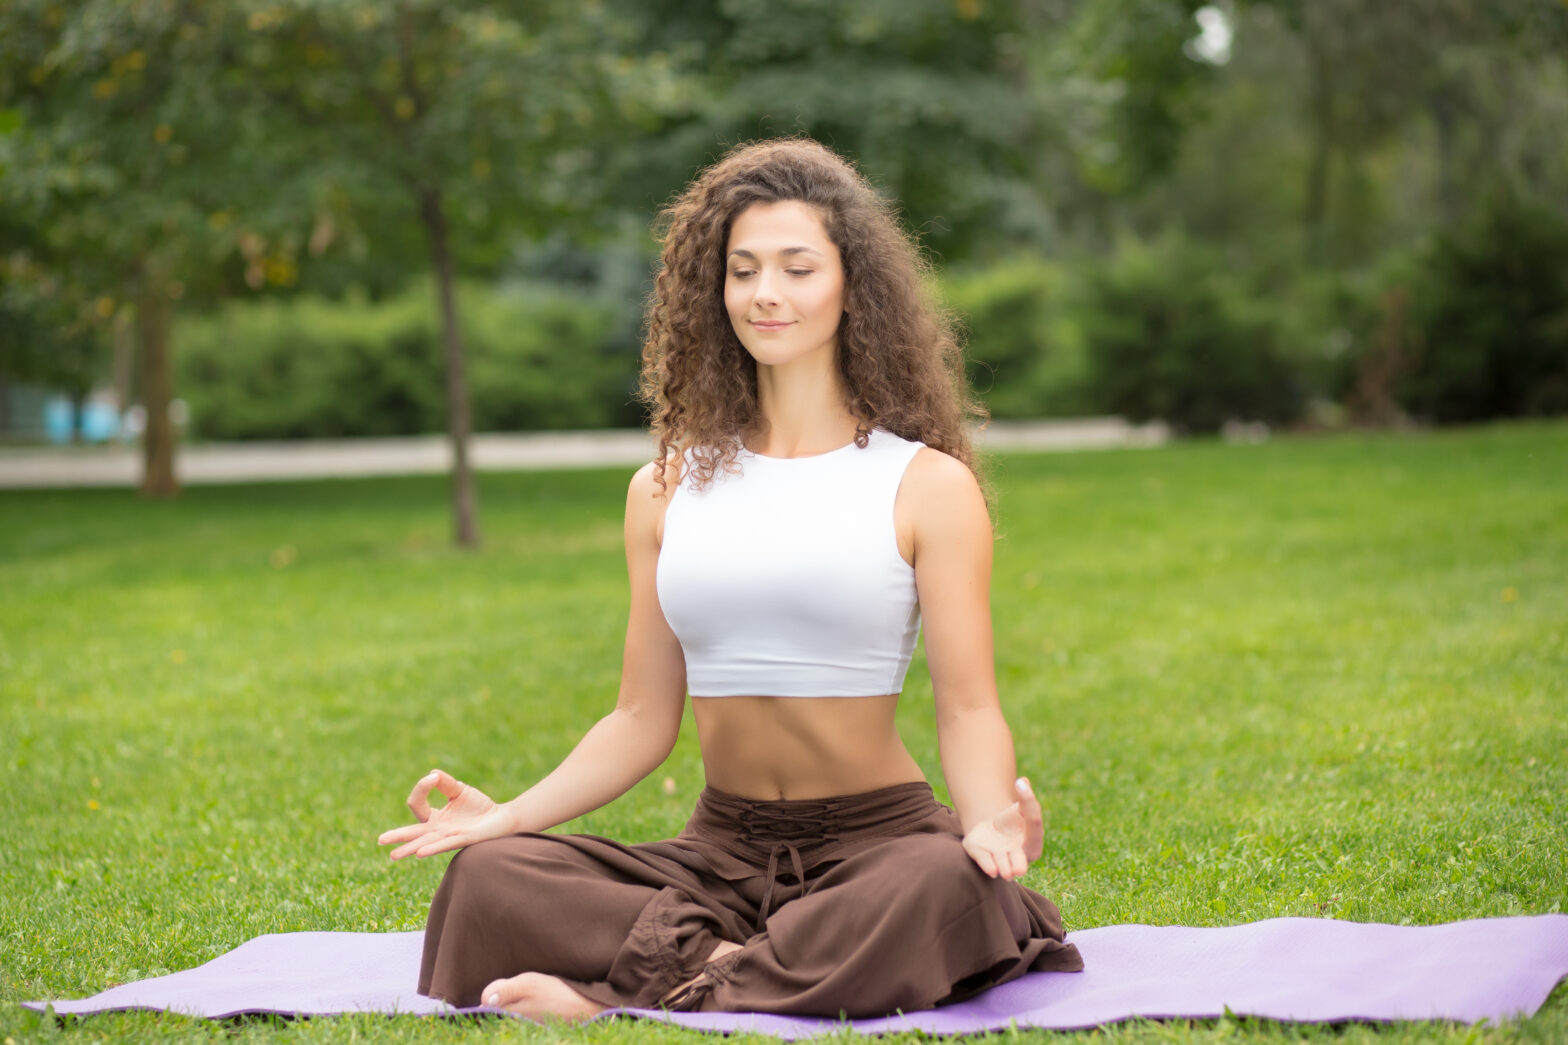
x=1315 y=677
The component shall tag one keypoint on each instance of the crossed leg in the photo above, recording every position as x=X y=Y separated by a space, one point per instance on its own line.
x=567 y=926
x=905 y=925
x=540 y=996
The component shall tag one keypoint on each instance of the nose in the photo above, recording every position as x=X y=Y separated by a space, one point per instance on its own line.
x=766 y=293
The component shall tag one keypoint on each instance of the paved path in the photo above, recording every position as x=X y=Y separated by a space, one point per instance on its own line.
x=322 y=459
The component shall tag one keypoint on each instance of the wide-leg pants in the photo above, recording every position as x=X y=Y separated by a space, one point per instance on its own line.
x=859 y=905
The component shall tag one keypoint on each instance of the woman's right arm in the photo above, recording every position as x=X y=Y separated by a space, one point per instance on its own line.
x=621 y=748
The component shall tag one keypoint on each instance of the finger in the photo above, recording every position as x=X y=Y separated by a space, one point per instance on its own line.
x=444 y=844
x=435 y=780
x=1009 y=819
x=415 y=846
x=419 y=798
x=399 y=835
x=1016 y=864
x=410 y=848
x=1034 y=820
x=1028 y=804
x=985 y=860
x=448 y=785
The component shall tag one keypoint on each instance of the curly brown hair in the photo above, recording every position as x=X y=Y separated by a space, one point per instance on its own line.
x=898 y=353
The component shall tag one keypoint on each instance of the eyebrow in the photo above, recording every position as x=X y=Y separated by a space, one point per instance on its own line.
x=741 y=252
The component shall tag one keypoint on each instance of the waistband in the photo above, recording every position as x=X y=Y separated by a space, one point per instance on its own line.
x=806 y=830
x=805 y=821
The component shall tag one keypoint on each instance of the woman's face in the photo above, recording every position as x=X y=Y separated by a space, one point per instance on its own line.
x=783 y=283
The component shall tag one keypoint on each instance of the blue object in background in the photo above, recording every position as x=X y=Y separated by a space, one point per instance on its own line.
x=59 y=419
x=100 y=423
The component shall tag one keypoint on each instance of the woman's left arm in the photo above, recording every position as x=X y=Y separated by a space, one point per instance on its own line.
x=944 y=523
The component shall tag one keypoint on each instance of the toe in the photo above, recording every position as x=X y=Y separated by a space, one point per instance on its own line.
x=498 y=993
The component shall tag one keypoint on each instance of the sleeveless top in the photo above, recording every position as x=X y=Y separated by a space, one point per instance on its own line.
x=785 y=579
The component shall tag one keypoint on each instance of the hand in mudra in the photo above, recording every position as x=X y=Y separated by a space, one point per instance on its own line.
x=469 y=816
x=1005 y=845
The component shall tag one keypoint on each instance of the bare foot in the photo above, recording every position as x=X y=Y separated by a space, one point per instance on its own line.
x=539 y=997
x=724 y=947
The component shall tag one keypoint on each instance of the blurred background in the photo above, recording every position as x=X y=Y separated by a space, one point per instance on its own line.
x=250 y=220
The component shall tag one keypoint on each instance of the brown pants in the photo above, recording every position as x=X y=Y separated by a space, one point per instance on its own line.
x=860 y=905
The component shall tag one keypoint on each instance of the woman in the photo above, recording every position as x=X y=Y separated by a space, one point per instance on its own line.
x=815 y=496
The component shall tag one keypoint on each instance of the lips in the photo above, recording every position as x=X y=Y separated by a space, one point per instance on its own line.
x=769 y=324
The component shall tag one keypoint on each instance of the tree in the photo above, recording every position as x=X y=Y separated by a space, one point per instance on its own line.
x=1124 y=88
x=196 y=146
x=122 y=156
x=930 y=97
x=1372 y=69
x=468 y=120
x=51 y=328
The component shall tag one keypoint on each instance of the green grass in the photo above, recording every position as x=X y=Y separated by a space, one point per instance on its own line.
x=1322 y=677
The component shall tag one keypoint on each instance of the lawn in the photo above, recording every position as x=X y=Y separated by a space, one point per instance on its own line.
x=1321 y=676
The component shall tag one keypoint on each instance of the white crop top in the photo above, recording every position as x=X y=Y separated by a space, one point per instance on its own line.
x=785 y=580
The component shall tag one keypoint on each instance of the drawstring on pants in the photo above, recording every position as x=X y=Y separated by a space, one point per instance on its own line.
x=773 y=877
x=806 y=823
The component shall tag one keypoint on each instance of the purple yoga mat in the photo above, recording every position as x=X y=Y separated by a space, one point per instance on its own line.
x=1297 y=969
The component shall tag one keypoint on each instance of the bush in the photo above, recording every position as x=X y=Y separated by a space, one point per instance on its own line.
x=308 y=367
x=1170 y=335
x=1489 y=318
x=1025 y=359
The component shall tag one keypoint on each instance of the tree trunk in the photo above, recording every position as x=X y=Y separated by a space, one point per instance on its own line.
x=124 y=355
x=153 y=312
x=465 y=510
x=78 y=397
x=1443 y=109
x=1321 y=94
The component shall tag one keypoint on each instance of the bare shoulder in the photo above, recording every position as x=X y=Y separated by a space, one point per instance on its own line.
x=935 y=479
x=940 y=505
x=646 y=498
x=645 y=482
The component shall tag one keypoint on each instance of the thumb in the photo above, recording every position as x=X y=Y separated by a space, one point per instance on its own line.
x=1028 y=804
x=447 y=784
x=1009 y=817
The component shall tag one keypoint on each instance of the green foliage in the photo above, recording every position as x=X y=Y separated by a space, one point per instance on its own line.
x=1490 y=318
x=1138 y=92
x=494 y=110
x=1169 y=334
x=926 y=95
x=318 y=145
x=48 y=333
x=308 y=367
x=1025 y=356
x=133 y=145
x=1248 y=682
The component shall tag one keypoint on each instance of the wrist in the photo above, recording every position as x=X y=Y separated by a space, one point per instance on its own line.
x=517 y=819
x=979 y=811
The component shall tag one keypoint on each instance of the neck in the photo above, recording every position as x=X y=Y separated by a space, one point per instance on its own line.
x=803 y=410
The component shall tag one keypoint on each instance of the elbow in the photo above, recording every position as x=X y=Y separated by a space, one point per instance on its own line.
x=973 y=720
x=661 y=745
x=653 y=735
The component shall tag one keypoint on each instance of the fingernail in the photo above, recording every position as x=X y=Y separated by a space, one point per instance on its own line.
x=1022 y=785
x=494 y=999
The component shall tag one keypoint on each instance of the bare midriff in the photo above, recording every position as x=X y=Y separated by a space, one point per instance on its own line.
x=768 y=748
